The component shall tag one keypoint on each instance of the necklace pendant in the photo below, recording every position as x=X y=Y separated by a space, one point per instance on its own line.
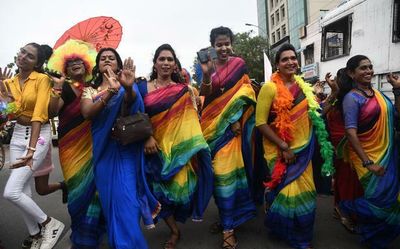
x=222 y=89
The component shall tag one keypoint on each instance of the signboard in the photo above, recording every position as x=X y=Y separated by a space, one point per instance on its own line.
x=310 y=71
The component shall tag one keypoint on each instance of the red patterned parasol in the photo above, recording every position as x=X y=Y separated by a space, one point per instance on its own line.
x=101 y=31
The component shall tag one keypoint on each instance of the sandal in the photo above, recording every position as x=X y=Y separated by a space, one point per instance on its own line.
x=229 y=245
x=348 y=224
x=171 y=243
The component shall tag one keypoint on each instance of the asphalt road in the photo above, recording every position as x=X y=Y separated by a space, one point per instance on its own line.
x=328 y=232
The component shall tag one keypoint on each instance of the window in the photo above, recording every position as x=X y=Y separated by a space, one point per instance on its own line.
x=272 y=20
x=277 y=16
x=283 y=28
x=309 y=54
x=271 y=3
x=396 y=21
x=273 y=38
x=283 y=11
x=278 y=35
x=336 y=39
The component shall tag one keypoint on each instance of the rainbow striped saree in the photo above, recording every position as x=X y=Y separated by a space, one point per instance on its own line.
x=378 y=211
x=292 y=203
x=75 y=149
x=232 y=100
x=180 y=174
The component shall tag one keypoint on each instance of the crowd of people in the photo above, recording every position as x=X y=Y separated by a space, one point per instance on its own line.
x=203 y=145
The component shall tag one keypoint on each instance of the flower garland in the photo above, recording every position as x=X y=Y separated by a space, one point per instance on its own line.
x=282 y=105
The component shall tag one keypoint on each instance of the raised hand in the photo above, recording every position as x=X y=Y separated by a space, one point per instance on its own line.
x=5 y=74
x=58 y=82
x=332 y=83
x=394 y=80
x=318 y=88
x=127 y=75
x=111 y=77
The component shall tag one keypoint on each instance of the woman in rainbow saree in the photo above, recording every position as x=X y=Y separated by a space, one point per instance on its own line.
x=118 y=169
x=227 y=121
x=370 y=148
x=76 y=59
x=178 y=161
x=287 y=117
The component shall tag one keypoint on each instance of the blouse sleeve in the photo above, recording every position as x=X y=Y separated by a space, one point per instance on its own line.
x=88 y=93
x=40 y=112
x=264 y=103
x=351 y=109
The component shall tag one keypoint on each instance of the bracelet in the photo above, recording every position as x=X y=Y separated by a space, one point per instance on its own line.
x=396 y=91
x=333 y=101
x=207 y=84
x=31 y=148
x=285 y=145
x=367 y=163
x=55 y=94
x=112 y=90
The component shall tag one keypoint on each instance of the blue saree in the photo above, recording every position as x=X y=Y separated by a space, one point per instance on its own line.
x=120 y=179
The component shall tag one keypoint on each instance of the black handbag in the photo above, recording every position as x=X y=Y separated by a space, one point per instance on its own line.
x=132 y=128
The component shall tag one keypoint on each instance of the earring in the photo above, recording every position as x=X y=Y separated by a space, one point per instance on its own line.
x=277 y=70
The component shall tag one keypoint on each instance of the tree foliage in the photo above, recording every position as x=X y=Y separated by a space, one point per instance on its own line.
x=251 y=49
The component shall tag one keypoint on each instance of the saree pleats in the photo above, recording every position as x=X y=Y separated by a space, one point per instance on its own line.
x=180 y=174
x=378 y=211
x=292 y=204
x=75 y=149
x=119 y=172
x=232 y=155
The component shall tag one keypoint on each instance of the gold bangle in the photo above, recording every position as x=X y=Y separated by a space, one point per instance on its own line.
x=31 y=148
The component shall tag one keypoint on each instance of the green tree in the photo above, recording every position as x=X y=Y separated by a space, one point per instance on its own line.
x=251 y=49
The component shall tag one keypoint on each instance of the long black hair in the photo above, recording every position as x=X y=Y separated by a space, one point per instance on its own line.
x=97 y=76
x=346 y=83
x=175 y=76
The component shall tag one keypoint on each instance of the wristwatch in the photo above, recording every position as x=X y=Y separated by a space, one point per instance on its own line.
x=367 y=163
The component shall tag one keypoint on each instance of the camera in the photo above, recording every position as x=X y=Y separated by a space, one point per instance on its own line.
x=206 y=54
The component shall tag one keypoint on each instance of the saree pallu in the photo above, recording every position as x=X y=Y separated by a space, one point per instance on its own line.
x=378 y=211
x=292 y=203
x=232 y=100
x=75 y=150
x=120 y=179
x=181 y=173
x=346 y=183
